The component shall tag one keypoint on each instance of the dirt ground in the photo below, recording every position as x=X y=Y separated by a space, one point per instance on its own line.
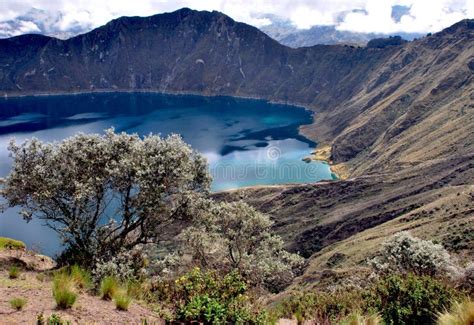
x=37 y=290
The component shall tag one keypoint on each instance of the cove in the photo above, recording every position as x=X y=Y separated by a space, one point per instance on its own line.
x=246 y=142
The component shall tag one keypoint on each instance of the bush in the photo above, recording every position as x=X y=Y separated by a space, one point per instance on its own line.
x=235 y=236
x=320 y=306
x=14 y=272
x=18 y=303
x=461 y=313
x=210 y=298
x=404 y=253
x=125 y=266
x=109 y=286
x=203 y=308
x=409 y=300
x=466 y=278
x=122 y=299
x=64 y=291
x=84 y=171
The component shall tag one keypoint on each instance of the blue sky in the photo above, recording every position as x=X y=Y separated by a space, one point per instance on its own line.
x=382 y=16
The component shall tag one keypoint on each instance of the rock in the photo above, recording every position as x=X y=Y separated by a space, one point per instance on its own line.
x=28 y=259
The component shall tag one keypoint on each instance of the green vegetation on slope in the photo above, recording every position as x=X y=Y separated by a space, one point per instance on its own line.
x=8 y=243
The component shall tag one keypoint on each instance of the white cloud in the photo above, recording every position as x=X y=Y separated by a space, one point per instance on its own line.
x=23 y=27
x=357 y=15
x=304 y=17
x=27 y=27
x=424 y=16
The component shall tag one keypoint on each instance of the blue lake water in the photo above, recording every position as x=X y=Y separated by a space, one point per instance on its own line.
x=246 y=142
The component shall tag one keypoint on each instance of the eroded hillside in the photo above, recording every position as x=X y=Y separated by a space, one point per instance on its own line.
x=352 y=218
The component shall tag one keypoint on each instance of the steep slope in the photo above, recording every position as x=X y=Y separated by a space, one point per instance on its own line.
x=339 y=225
x=419 y=106
x=311 y=217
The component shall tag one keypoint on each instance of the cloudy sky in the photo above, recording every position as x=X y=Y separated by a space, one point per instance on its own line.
x=383 y=16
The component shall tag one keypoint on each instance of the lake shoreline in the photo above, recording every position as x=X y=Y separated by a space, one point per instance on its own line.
x=149 y=91
x=323 y=153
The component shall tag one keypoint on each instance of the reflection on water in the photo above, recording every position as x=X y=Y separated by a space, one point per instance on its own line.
x=246 y=142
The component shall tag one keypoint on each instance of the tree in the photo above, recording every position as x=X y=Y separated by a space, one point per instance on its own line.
x=235 y=236
x=103 y=193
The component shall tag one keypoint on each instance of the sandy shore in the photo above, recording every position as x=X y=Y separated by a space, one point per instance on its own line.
x=323 y=153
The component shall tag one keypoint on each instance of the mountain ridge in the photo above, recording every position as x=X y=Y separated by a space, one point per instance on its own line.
x=208 y=53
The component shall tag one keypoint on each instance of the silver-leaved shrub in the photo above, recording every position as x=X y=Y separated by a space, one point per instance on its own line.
x=403 y=253
x=235 y=236
x=125 y=266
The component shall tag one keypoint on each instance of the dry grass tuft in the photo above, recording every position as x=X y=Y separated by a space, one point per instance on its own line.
x=461 y=313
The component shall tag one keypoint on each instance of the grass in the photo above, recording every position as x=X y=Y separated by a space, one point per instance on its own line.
x=461 y=313
x=110 y=289
x=81 y=277
x=55 y=319
x=357 y=319
x=18 y=303
x=14 y=272
x=8 y=243
x=109 y=286
x=122 y=299
x=139 y=290
x=64 y=292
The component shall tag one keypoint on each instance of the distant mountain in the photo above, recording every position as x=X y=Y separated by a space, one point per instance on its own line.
x=328 y=35
x=286 y=33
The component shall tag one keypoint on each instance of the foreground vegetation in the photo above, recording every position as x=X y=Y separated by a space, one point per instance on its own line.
x=213 y=297
x=224 y=264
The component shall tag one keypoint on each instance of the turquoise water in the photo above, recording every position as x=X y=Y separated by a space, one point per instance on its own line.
x=246 y=142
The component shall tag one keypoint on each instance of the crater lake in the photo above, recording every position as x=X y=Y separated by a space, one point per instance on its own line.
x=246 y=142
